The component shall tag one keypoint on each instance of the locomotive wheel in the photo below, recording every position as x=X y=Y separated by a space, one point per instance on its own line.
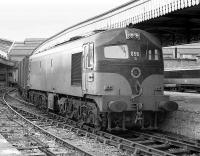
x=83 y=114
x=35 y=99
x=82 y=111
x=31 y=97
x=25 y=95
x=103 y=121
x=70 y=107
x=62 y=108
x=90 y=118
x=44 y=102
x=39 y=101
x=74 y=114
x=66 y=107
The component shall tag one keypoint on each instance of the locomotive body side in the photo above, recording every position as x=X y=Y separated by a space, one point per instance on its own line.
x=51 y=70
x=110 y=79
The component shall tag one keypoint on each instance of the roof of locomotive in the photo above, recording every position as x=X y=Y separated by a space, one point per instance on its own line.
x=103 y=36
x=117 y=31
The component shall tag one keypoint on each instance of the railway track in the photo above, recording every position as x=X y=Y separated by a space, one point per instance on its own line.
x=26 y=138
x=173 y=145
x=78 y=143
x=129 y=143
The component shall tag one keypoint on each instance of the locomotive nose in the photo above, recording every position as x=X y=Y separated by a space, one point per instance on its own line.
x=117 y=106
x=168 y=105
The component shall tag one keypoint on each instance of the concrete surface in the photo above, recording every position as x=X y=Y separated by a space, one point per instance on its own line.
x=185 y=121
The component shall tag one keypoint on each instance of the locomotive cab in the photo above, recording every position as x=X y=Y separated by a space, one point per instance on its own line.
x=126 y=73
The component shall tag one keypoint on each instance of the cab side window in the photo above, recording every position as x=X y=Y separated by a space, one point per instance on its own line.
x=89 y=55
x=86 y=49
x=150 y=55
x=156 y=54
x=153 y=55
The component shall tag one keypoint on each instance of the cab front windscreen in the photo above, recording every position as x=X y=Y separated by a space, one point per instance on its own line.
x=134 y=52
x=116 y=52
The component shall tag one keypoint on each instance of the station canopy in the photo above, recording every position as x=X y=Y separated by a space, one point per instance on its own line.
x=178 y=27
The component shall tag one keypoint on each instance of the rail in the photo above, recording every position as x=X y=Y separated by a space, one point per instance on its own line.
x=36 y=127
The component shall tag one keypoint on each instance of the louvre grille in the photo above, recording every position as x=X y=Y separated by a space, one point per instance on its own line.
x=76 y=72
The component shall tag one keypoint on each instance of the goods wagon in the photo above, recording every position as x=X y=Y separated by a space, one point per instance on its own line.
x=23 y=71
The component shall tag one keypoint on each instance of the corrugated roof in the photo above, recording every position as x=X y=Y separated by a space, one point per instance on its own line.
x=20 y=52
x=34 y=39
x=25 y=48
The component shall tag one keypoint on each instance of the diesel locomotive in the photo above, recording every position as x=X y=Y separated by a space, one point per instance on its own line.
x=109 y=79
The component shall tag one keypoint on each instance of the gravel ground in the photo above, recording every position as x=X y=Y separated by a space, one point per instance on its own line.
x=185 y=121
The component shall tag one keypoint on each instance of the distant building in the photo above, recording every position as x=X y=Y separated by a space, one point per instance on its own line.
x=21 y=49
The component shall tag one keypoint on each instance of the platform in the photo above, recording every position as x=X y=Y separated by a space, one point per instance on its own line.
x=189 y=102
x=6 y=149
x=186 y=120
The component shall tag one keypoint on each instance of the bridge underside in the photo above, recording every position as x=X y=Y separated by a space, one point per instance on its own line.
x=179 y=27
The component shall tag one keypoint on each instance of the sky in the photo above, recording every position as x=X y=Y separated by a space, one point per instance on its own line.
x=20 y=19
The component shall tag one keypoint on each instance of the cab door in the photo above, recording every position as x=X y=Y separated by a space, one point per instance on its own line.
x=88 y=66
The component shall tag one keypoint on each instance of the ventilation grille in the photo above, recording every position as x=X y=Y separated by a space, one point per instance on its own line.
x=76 y=72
